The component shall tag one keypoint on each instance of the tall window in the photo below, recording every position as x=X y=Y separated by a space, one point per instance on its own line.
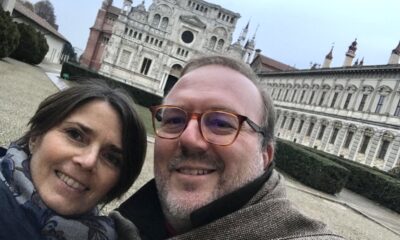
x=364 y=144
x=164 y=23
x=397 y=111
x=286 y=93
x=310 y=128
x=300 y=126
x=220 y=44
x=362 y=103
x=156 y=20
x=283 y=122
x=145 y=66
x=213 y=41
x=312 y=97
x=334 y=135
x=294 y=94
x=321 y=132
x=346 y=103
x=291 y=124
x=334 y=99
x=321 y=101
x=302 y=95
x=279 y=94
x=383 y=150
x=380 y=104
x=124 y=59
x=348 y=139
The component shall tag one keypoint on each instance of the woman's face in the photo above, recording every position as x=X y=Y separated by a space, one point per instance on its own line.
x=76 y=163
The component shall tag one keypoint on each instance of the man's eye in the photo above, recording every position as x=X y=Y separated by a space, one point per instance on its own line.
x=173 y=121
x=74 y=134
x=218 y=123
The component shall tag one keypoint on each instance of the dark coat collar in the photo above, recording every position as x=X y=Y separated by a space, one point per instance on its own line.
x=144 y=208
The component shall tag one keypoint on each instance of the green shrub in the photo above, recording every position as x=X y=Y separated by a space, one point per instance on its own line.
x=309 y=168
x=9 y=34
x=32 y=47
x=76 y=72
x=395 y=172
x=371 y=183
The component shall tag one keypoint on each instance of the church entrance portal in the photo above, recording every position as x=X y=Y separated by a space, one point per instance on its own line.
x=173 y=77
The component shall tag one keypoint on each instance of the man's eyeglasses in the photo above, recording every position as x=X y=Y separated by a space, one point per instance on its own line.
x=216 y=127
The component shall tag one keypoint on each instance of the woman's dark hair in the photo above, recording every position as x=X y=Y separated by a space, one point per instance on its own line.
x=55 y=108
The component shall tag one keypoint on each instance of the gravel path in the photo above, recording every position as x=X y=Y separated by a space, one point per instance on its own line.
x=23 y=87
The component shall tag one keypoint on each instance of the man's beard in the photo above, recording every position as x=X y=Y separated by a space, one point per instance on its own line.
x=179 y=206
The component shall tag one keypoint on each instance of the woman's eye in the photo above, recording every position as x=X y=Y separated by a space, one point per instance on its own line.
x=75 y=134
x=114 y=158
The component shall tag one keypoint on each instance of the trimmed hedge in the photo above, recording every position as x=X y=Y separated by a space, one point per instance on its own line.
x=309 y=168
x=9 y=34
x=76 y=72
x=371 y=183
x=32 y=47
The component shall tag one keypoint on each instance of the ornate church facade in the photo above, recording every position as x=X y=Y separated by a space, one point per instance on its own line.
x=351 y=111
x=148 y=48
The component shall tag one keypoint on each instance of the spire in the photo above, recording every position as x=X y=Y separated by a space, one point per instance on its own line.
x=356 y=63
x=255 y=33
x=329 y=55
x=141 y=6
x=350 y=54
x=353 y=47
x=328 y=58
x=361 y=62
x=243 y=34
x=394 y=57
x=106 y=4
x=397 y=49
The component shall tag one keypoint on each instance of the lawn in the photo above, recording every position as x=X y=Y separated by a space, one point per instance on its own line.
x=145 y=114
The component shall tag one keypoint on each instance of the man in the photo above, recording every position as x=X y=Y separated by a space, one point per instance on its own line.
x=213 y=168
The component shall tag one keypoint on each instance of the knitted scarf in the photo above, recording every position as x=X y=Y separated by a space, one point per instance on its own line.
x=15 y=174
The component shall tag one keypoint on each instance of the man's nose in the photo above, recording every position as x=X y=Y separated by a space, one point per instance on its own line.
x=192 y=138
x=87 y=158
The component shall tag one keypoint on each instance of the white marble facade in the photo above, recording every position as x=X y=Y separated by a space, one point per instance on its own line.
x=148 y=48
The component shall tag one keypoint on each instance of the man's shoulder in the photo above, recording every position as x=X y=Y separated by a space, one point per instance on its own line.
x=143 y=209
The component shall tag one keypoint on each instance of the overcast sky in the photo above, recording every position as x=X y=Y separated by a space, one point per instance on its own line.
x=295 y=32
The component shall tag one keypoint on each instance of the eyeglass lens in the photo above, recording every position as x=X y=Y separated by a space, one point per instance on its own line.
x=216 y=126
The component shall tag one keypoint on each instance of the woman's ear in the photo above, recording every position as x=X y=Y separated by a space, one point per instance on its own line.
x=32 y=144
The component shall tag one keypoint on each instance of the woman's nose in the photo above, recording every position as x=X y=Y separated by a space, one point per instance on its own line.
x=87 y=158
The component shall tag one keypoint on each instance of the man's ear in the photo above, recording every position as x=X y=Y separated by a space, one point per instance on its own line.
x=268 y=155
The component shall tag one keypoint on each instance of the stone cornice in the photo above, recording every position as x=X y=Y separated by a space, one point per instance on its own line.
x=374 y=69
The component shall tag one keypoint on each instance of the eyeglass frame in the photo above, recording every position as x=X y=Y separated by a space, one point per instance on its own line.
x=198 y=117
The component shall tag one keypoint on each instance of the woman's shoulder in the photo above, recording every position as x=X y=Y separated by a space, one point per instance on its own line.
x=13 y=220
x=3 y=151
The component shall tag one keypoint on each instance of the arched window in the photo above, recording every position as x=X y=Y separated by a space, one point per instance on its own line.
x=213 y=40
x=220 y=44
x=156 y=20
x=164 y=23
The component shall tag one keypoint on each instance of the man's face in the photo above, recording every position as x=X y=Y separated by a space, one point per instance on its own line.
x=189 y=171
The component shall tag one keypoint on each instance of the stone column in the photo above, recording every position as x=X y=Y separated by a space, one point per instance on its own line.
x=326 y=137
x=340 y=138
x=357 y=137
x=314 y=133
x=373 y=150
x=378 y=83
x=392 y=154
x=391 y=98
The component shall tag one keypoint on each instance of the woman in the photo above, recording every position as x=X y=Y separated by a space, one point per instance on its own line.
x=85 y=145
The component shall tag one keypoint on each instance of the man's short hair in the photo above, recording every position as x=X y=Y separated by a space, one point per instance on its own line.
x=268 y=115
